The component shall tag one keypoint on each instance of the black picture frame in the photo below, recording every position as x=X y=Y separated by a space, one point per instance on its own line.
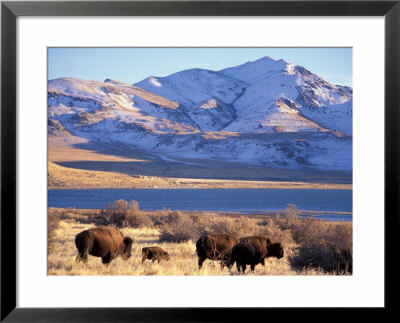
x=10 y=10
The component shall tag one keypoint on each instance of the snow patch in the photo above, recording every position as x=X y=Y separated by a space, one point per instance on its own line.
x=155 y=82
x=210 y=104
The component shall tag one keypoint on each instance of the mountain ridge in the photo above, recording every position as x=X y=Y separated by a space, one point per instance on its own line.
x=215 y=114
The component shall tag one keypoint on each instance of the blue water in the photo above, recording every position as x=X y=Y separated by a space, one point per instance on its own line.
x=235 y=200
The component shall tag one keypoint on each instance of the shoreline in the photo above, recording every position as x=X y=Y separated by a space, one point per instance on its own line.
x=186 y=183
x=62 y=177
x=236 y=214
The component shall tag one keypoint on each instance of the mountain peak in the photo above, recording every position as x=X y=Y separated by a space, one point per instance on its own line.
x=264 y=58
x=253 y=71
x=111 y=81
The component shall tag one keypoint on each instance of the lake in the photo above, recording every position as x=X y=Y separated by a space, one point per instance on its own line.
x=231 y=200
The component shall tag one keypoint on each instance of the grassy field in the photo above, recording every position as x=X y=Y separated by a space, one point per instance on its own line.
x=312 y=247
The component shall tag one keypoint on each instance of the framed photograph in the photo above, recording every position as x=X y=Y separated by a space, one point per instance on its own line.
x=179 y=161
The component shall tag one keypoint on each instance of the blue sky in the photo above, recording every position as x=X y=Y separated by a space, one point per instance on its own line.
x=132 y=65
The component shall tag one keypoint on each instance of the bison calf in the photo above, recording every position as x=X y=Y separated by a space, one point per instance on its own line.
x=216 y=247
x=105 y=242
x=153 y=254
x=245 y=253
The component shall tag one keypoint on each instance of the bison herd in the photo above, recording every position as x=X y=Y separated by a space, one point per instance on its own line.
x=244 y=251
x=109 y=243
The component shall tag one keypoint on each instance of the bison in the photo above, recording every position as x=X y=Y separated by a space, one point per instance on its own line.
x=105 y=242
x=244 y=253
x=153 y=254
x=265 y=247
x=275 y=250
x=216 y=247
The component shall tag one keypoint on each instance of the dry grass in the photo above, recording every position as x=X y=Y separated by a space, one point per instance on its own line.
x=183 y=259
x=63 y=149
x=312 y=247
x=53 y=221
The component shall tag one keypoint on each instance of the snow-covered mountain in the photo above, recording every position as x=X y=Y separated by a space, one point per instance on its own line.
x=280 y=90
x=265 y=112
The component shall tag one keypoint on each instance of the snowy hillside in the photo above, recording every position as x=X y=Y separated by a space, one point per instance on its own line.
x=265 y=112
x=205 y=96
x=308 y=94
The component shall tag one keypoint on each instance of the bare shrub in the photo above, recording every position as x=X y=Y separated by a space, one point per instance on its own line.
x=322 y=244
x=325 y=245
x=123 y=214
x=77 y=215
x=159 y=217
x=180 y=227
x=241 y=226
x=340 y=241
x=276 y=233
x=289 y=218
x=213 y=225
x=177 y=227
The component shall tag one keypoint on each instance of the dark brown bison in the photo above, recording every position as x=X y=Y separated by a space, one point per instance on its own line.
x=153 y=254
x=265 y=247
x=105 y=242
x=275 y=250
x=216 y=247
x=244 y=253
